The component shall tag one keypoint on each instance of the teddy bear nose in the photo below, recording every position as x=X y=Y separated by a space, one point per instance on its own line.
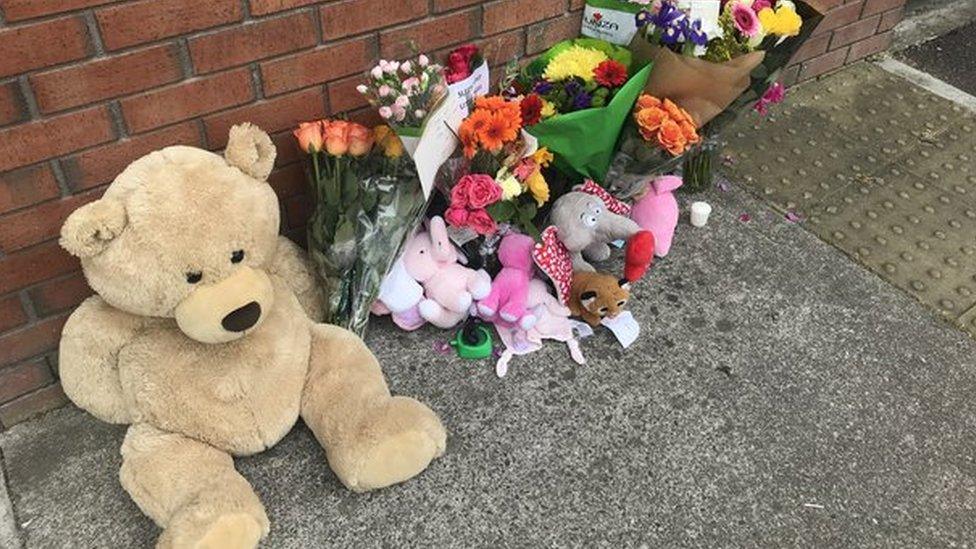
x=243 y=318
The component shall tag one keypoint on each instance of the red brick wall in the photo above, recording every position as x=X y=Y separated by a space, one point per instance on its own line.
x=88 y=85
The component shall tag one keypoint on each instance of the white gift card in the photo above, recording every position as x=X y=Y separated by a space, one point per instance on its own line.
x=476 y=85
x=624 y=327
x=614 y=26
x=437 y=142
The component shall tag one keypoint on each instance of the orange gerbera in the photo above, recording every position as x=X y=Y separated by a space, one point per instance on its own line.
x=500 y=130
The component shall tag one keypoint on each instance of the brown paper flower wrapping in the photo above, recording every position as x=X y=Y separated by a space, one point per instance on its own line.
x=702 y=88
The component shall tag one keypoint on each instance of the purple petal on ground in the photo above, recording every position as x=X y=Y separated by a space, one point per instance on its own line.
x=496 y=352
x=745 y=218
x=442 y=347
x=723 y=185
x=728 y=160
x=793 y=217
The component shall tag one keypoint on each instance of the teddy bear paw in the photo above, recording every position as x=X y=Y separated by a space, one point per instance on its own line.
x=408 y=437
x=227 y=531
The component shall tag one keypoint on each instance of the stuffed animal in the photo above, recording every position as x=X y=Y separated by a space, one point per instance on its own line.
x=449 y=287
x=510 y=288
x=657 y=212
x=595 y=296
x=587 y=220
x=400 y=297
x=553 y=322
x=199 y=339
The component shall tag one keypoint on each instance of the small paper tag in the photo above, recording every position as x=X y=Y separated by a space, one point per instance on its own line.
x=624 y=326
x=437 y=143
x=478 y=84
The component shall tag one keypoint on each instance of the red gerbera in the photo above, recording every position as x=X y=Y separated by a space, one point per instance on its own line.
x=531 y=106
x=610 y=73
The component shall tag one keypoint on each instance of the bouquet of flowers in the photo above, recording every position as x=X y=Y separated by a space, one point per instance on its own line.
x=712 y=77
x=501 y=181
x=368 y=199
x=576 y=98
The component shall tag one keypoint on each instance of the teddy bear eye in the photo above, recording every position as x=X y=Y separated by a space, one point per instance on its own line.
x=194 y=277
x=237 y=256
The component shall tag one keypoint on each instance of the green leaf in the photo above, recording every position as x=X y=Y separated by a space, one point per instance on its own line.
x=501 y=211
x=526 y=212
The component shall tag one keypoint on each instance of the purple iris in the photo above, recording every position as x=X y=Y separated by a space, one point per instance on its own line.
x=671 y=35
x=582 y=100
x=573 y=88
x=693 y=32
x=666 y=16
x=543 y=87
x=643 y=17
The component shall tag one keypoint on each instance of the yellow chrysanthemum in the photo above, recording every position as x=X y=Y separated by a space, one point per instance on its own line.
x=538 y=186
x=510 y=187
x=575 y=61
x=783 y=21
x=542 y=157
x=548 y=110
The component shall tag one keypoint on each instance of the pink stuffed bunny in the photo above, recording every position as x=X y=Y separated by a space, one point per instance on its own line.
x=657 y=212
x=449 y=288
x=511 y=286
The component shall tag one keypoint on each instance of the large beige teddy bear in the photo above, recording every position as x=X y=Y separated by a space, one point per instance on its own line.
x=199 y=338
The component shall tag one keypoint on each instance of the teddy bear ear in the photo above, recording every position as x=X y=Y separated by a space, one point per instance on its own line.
x=250 y=150
x=90 y=228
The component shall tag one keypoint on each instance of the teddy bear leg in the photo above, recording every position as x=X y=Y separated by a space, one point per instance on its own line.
x=371 y=439
x=191 y=490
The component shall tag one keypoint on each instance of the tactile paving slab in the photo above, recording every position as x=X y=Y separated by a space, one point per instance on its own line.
x=881 y=169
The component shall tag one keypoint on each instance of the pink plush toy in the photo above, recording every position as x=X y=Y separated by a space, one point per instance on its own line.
x=657 y=212
x=511 y=286
x=449 y=287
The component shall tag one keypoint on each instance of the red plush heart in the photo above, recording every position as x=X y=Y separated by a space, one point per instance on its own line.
x=553 y=258
x=639 y=255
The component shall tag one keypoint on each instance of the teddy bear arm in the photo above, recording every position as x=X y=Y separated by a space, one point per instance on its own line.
x=371 y=439
x=191 y=490
x=292 y=265
x=88 y=358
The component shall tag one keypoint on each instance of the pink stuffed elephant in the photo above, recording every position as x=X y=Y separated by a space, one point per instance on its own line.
x=449 y=287
x=511 y=286
x=657 y=212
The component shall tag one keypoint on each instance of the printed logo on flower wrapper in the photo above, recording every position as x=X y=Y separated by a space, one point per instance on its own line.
x=613 y=204
x=553 y=258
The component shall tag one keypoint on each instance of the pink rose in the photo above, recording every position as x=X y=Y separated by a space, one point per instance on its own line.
x=481 y=222
x=459 y=194
x=456 y=217
x=482 y=190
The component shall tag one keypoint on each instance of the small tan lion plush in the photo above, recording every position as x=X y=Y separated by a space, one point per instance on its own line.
x=200 y=339
x=594 y=296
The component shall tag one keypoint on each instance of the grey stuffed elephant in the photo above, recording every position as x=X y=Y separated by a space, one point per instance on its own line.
x=586 y=226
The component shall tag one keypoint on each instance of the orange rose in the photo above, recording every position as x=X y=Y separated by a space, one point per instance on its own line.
x=646 y=101
x=309 y=136
x=691 y=134
x=650 y=118
x=337 y=137
x=360 y=140
x=670 y=136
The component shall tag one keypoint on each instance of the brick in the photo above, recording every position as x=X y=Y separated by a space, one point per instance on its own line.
x=24 y=378
x=131 y=23
x=576 y=4
x=279 y=113
x=11 y=315
x=27 y=186
x=43 y=44
x=448 y=5
x=36 y=264
x=343 y=95
x=313 y=67
x=814 y=46
x=509 y=14
x=31 y=341
x=30 y=143
x=38 y=223
x=17 y=10
x=106 y=78
x=873 y=7
x=100 y=165
x=33 y=404
x=502 y=48
x=541 y=36
x=823 y=64
x=854 y=32
x=187 y=100
x=255 y=40
x=843 y=15
x=12 y=105
x=263 y=7
x=288 y=151
x=348 y=17
x=60 y=294
x=298 y=209
x=890 y=18
x=875 y=44
x=439 y=32
x=289 y=181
